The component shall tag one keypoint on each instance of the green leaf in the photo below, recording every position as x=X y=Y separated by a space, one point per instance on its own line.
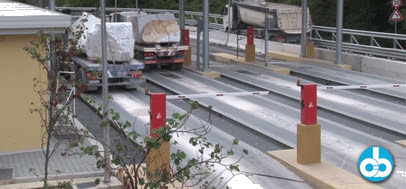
x=186 y=172
x=192 y=162
x=141 y=181
x=167 y=138
x=104 y=124
x=234 y=168
x=116 y=161
x=134 y=135
x=97 y=181
x=161 y=131
x=245 y=151
x=236 y=141
x=99 y=163
x=127 y=124
x=156 y=145
x=154 y=131
x=177 y=162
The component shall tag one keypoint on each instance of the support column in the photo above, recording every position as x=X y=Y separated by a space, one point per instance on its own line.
x=205 y=35
x=181 y=14
x=158 y=159
x=339 y=32
x=308 y=131
x=105 y=91
x=266 y=38
x=303 y=36
x=250 y=46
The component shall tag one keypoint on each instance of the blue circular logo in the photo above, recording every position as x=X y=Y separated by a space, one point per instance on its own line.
x=375 y=164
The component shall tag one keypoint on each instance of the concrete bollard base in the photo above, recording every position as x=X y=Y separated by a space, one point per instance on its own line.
x=159 y=160
x=188 y=56
x=250 y=53
x=308 y=143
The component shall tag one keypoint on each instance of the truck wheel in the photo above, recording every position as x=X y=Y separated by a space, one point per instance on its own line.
x=173 y=66
x=179 y=66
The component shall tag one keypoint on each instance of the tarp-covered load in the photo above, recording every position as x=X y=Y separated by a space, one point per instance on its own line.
x=153 y=28
x=120 y=39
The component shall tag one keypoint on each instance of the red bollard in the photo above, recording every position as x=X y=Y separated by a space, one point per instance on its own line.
x=250 y=36
x=158 y=112
x=309 y=104
x=308 y=131
x=186 y=42
x=185 y=37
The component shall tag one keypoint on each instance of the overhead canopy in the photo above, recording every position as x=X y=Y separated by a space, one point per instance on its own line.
x=20 y=18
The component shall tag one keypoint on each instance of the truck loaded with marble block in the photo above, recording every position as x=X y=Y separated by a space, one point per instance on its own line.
x=157 y=38
x=123 y=69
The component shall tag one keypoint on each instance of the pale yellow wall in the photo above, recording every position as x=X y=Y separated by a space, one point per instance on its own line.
x=19 y=129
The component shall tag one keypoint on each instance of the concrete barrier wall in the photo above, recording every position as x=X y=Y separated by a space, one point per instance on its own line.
x=384 y=67
x=378 y=66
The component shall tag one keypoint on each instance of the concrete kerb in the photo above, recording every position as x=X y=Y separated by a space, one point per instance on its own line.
x=291 y=57
x=401 y=142
x=76 y=182
x=321 y=175
x=209 y=73
x=231 y=59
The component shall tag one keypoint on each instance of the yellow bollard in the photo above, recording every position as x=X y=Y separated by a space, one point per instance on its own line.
x=250 y=53
x=188 y=56
x=310 y=50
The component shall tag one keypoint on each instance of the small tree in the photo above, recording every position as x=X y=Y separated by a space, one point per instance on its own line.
x=186 y=170
x=53 y=52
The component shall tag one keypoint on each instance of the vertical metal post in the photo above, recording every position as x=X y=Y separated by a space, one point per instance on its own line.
x=266 y=37
x=339 y=32
x=136 y=4
x=205 y=35
x=199 y=31
x=229 y=21
x=181 y=15
x=41 y=3
x=303 y=40
x=105 y=92
x=396 y=31
x=51 y=5
x=115 y=11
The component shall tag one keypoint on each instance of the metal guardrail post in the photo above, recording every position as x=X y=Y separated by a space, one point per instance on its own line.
x=266 y=38
x=199 y=31
x=303 y=40
x=229 y=21
x=51 y=5
x=205 y=35
x=339 y=33
x=181 y=15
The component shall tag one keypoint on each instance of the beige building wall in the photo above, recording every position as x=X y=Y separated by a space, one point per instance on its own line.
x=19 y=129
